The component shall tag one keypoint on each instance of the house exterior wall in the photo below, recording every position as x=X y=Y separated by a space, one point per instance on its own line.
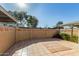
x=8 y=24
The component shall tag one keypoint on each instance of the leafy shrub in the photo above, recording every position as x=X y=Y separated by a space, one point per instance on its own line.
x=69 y=38
x=74 y=39
x=65 y=36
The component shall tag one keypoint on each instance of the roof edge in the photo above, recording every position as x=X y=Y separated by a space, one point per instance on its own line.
x=6 y=13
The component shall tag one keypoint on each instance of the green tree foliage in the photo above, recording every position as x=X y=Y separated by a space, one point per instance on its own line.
x=19 y=15
x=32 y=22
x=58 y=25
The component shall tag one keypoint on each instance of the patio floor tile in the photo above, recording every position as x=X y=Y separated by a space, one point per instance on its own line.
x=43 y=47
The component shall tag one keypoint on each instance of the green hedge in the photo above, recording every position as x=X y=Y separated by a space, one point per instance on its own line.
x=69 y=38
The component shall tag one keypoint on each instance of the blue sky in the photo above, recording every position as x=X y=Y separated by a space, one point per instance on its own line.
x=49 y=14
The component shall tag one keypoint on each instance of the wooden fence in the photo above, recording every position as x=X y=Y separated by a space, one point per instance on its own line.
x=7 y=38
x=25 y=34
x=69 y=31
x=10 y=35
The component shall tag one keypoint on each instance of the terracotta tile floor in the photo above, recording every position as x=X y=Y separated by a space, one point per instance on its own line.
x=44 y=47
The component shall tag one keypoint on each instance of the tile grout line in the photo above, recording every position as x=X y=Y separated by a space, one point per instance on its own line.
x=23 y=51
